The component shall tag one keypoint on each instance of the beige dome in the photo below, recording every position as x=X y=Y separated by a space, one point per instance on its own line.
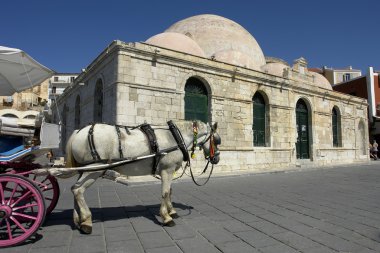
x=236 y=58
x=275 y=68
x=217 y=34
x=176 y=41
x=321 y=81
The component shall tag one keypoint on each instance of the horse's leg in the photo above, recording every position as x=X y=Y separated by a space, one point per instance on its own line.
x=166 y=206
x=82 y=214
x=172 y=211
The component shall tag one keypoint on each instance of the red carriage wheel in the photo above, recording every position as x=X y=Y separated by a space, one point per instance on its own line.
x=48 y=185
x=22 y=209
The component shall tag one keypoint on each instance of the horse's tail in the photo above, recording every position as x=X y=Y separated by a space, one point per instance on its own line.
x=70 y=160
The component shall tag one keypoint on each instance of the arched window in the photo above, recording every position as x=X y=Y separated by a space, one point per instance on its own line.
x=64 y=127
x=303 y=131
x=77 y=113
x=337 y=140
x=9 y=115
x=259 y=120
x=31 y=116
x=196 y=100
x=98 y=101
x=361 y=140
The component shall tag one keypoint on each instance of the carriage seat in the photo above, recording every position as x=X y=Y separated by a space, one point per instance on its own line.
x=16 y=156
x=12 y=151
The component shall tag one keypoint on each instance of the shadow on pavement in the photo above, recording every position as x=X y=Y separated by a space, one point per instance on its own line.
x=150 y=212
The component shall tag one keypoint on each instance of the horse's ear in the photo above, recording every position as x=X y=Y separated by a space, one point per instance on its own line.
x=215 y=126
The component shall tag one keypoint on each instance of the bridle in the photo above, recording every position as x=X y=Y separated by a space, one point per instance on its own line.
x=212 y=155
x=210 y=136
x=212 y=151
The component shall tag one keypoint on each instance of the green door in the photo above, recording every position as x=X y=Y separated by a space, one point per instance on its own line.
x=302 y=118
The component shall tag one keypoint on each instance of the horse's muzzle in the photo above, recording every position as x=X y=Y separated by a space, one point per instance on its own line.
x=216 y=158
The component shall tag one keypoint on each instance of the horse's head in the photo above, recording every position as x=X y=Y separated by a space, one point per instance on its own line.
x=209 y=143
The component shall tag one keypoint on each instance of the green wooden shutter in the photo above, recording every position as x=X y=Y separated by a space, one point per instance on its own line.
x=302 y=119
x=335 y=128
x=196 y=107
x=196 y=101
x=258 y=121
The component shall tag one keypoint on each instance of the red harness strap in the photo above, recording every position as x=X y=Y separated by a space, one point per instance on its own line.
x=212 y=146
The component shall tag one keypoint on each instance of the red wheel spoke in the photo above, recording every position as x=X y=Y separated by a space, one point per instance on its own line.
x=7 y=189
x=18 y=224
x=12 y=194
x=21 y=198
x=48 y=198
x=24 y=216
x=43 y=181
x=48 y=189
x=9 y=229
x=2 y=194
x=24 y=207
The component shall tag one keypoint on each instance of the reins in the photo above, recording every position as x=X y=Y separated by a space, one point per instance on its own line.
x=204 y=170
x=211 y=154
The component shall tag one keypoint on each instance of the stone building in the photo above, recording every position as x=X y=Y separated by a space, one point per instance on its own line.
x=367 y=87
x=271 y=115
x=58 y=83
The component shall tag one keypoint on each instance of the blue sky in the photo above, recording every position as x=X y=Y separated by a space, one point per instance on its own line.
x=67 y=35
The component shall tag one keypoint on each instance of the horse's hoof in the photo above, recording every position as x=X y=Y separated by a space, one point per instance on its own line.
x=85 y=229
x=170 y=224
x=174 y=216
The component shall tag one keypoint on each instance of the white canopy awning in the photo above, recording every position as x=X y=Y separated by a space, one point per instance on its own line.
x=19 y=71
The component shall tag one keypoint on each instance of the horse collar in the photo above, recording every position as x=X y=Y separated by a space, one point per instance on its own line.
x=179 y=139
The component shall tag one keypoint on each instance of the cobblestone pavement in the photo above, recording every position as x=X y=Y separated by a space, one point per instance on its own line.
x=319 y=210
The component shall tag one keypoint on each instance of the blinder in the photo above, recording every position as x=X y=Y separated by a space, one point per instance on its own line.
x=217 y=139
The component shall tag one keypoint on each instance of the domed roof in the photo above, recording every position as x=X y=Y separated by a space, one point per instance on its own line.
x=176 y=41
x=275 y=68
x=215 y=34
x=236 y=58
x=321 y=81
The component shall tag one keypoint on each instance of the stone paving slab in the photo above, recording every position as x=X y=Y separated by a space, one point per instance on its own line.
x=309 y=211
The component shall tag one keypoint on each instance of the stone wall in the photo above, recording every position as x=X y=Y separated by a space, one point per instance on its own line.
x=144 y=85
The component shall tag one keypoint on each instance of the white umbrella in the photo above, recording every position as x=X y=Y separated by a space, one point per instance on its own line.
x=19 y=71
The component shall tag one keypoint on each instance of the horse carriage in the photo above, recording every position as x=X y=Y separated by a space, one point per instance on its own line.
x=26 y=198
x=28 y=186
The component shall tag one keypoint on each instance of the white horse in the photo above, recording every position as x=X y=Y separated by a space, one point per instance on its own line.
x=106 y=144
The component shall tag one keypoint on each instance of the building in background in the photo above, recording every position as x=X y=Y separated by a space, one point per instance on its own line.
x=367 y=87
x=270 y=115
x=58 y=83
x=27 y=105
x=31 y=99
x=335 y=76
